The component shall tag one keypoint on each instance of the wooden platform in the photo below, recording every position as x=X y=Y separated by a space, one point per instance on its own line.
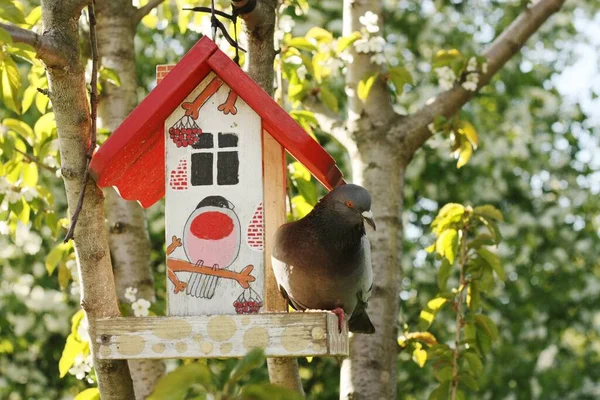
x=221 y=336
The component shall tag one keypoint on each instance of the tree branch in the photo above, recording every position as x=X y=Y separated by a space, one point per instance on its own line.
x=411 y=132
x=145 y=10
x=33 y=159
x=330 y=123
x=46 y=49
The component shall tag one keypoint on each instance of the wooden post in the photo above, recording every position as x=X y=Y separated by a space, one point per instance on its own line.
x=275 y=215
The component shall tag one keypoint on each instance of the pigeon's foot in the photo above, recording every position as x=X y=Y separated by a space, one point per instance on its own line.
x=340 y=314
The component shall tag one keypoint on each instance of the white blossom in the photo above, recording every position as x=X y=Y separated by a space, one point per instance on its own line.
x=29 y=194
x=471 y=82
x=378 y=59
x=446 y=77
x=296 y=60
x=50 y=161
x=140 y=308
x=4 y=228
x=81 y=366
x=376 y=44
x=4 y=184
x=302 y=71
x=334 y=63
x=12 y=196
x=369 y=21
x=130 y=294
x=347 y=57
x=362 y=45
x=286 y=23
x=431 y=127
x=484 y=68
x=472 y=65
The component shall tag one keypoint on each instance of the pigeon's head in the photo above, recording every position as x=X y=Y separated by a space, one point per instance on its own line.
x=352 y=202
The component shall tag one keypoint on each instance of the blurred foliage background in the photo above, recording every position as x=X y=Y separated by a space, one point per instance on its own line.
x=538 y=161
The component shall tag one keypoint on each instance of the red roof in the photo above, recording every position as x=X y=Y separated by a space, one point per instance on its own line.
x=132 y=159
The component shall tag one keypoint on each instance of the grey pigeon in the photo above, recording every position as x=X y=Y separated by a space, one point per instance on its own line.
x=323 y=261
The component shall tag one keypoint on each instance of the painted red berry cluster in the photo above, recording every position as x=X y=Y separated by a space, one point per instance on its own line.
x=185 y=132
x=248 y=303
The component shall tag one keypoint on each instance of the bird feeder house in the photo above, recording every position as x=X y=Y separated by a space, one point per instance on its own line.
x=213 y=143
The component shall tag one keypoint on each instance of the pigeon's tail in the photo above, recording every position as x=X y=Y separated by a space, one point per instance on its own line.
x=202 y=286
x=359 y=322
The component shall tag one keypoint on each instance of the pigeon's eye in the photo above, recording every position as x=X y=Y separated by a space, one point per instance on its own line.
x=349 y=204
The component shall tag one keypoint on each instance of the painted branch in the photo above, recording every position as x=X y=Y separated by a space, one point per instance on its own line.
x=127 y=233
x=279 y=334
x=193 y=109
x=229 y=106
x=175 y=243
x=71 y=109
x=47 y=49
x=412 y=132
x=145 y=10
x=243 y=277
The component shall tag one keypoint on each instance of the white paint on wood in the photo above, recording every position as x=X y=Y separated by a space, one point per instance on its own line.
x=212 y=239
x=279 y=334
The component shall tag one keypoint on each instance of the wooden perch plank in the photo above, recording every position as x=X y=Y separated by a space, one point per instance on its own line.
x=221 y=336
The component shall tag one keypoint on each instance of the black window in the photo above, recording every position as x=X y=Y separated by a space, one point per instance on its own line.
x=221 y=163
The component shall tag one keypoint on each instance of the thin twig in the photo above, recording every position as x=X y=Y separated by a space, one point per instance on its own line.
x=145 y=10
x=94 y=112
x=35 y=160
x=459 y=301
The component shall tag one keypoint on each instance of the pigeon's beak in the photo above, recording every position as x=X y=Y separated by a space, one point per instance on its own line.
x=368 y=216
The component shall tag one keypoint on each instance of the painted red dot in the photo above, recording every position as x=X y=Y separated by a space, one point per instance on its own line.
x=211 y=225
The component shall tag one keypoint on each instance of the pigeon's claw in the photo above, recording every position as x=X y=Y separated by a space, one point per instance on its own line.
x=340 y=314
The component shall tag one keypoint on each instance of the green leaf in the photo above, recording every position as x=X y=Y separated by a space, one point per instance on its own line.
x=25 y=212
x=470 y=332
x=10 y=12
x=54 y=257
x=5 y=36
x=176 y=384
x=419 y=355
x=300 y=206
x=473 y=296
x=18 y=126
x=11 y=82
x=399 y=77
x=254 y=359
x=45 y=124
x=488 y=211
x=30 y=174
x=492 y=227
x=442 y=392
x=72 y=349
x=319 y=34
x=302 y=43
x=345 y=41
x=446 y=245
x=488 y=325
x=267 y=391
x=481 y=240
x=444 y=274
x=493 y=261
x=449 y=214
x=89 y=394
x=468 y=130
x=366 y=84
x=329 y=99
x=110 y=75
x=468 y=381
x=443 y=374
x=28 y=97
x=41 y=102
x=34 y=16
x=474 y=362
x=464 y=154
x=446 y=58
x=428 y=314
x=64 y=275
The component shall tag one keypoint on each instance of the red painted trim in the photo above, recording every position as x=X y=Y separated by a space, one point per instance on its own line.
x=278 y=122
x=135 y=135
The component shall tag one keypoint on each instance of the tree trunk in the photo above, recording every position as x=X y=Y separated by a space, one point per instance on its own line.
x=129 y=242
x=69 y=102
x=260 y=29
